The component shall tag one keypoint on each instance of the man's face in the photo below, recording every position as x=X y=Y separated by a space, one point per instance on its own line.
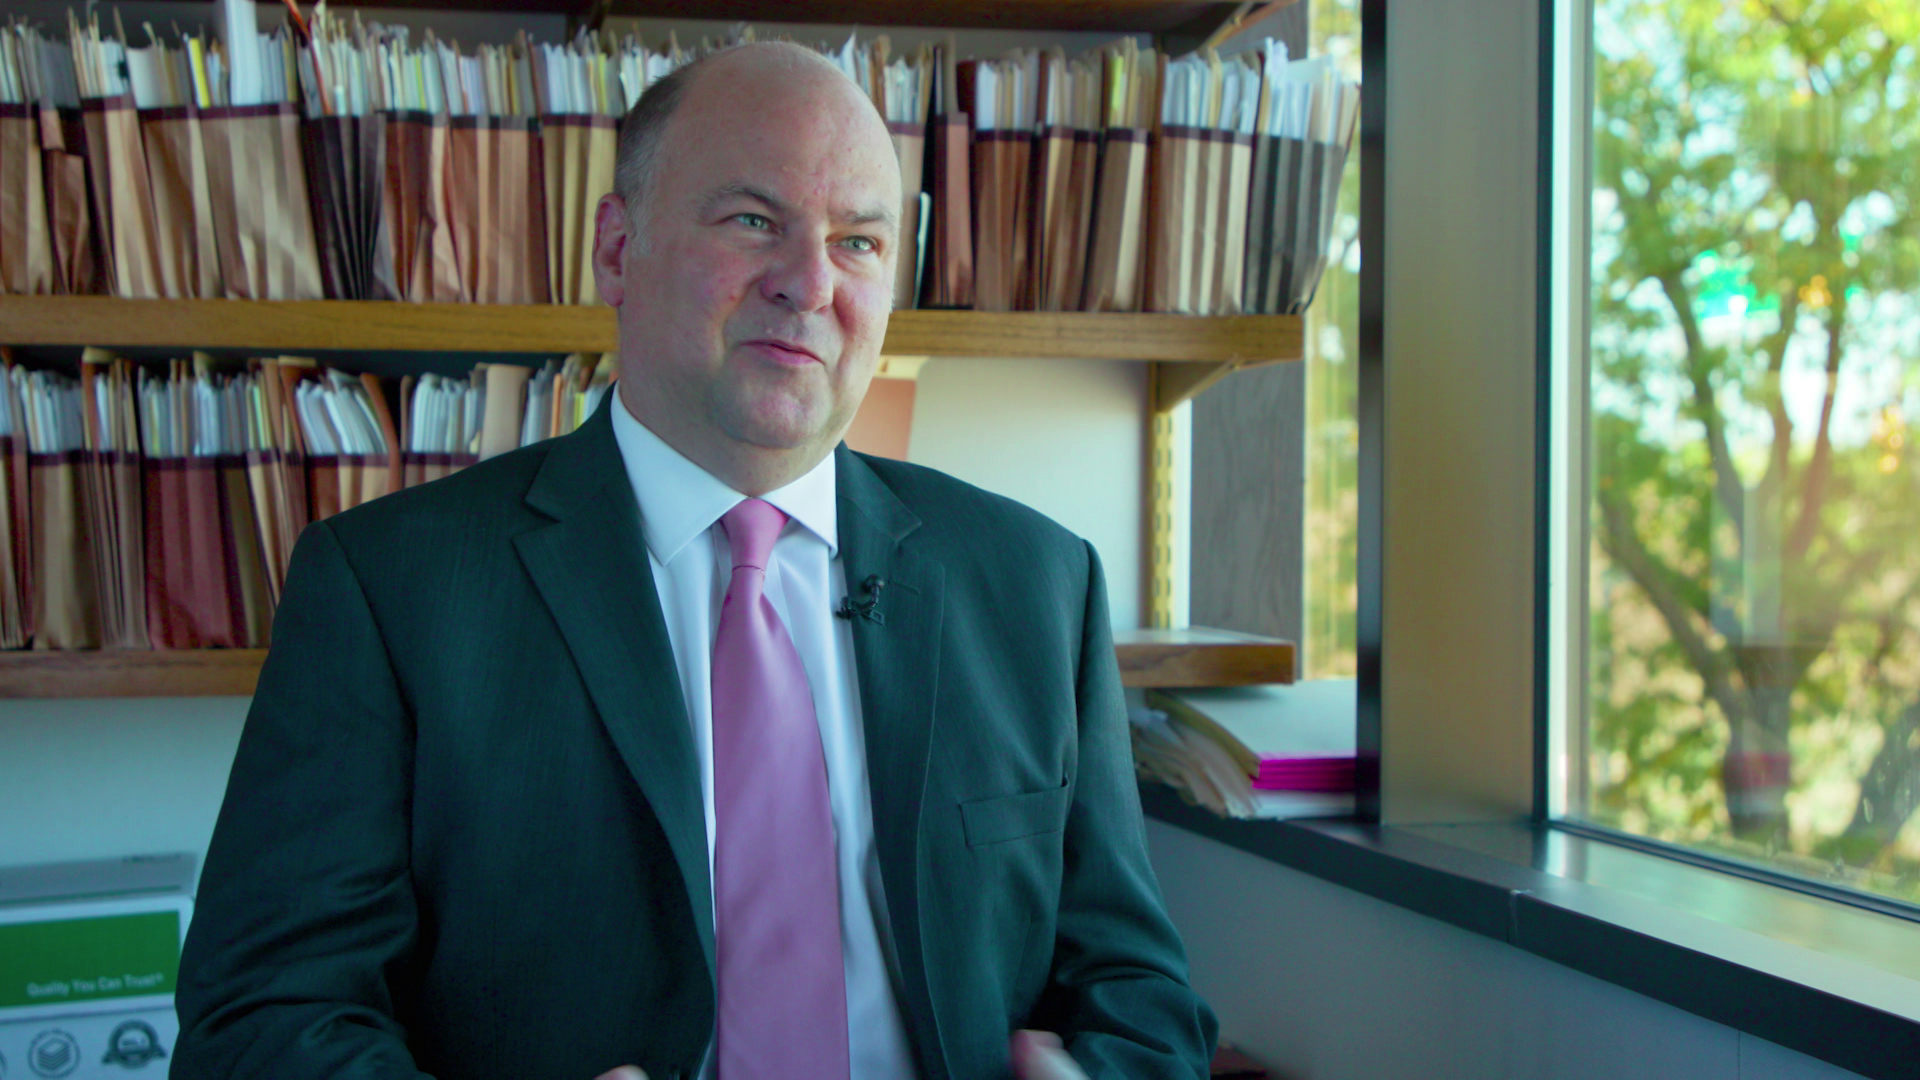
x=756 y=293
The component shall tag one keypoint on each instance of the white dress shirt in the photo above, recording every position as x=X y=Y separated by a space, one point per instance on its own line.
x=680 y=506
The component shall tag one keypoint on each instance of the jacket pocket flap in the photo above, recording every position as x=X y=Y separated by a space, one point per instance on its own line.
x=1010 y=817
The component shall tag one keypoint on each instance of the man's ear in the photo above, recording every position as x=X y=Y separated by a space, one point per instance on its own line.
x=610 y=236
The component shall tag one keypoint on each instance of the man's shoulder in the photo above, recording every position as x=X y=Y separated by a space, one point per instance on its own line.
x=479 y=501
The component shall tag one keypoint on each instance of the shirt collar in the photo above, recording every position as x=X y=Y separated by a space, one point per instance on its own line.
x=679 y=500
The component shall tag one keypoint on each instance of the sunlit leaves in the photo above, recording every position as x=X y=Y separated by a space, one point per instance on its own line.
x=1755 y=341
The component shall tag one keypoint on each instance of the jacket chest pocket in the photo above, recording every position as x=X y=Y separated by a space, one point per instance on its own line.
x=1003 y=818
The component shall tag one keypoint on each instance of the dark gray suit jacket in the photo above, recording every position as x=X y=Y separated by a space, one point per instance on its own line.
x=464 y=837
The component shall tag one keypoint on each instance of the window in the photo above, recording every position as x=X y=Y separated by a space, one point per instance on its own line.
x=1737 y=500
x=1332 y=520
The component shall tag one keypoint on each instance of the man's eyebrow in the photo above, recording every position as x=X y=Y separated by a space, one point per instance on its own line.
x=870 y=216
x=739 y=189
x=712 y=200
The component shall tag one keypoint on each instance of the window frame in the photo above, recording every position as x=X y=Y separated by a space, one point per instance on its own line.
x=1456 y=817
x=1564 y=449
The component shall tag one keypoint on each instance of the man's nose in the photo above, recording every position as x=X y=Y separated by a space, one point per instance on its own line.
x=801 y=277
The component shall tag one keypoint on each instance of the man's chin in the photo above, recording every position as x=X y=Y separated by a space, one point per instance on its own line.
x=779 y=436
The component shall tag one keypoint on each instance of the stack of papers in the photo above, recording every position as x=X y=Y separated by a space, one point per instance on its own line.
x=1252 y=752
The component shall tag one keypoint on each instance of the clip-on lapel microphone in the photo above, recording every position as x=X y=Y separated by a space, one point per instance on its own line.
x=865 y=608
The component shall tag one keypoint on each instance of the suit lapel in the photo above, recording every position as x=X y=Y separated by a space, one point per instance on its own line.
x=591 y=568
x=898 y=660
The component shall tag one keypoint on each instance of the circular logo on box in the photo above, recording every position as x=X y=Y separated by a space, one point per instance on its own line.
x=53 y=1054
x=132 y=1044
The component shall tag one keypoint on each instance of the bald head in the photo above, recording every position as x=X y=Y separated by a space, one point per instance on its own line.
x=734 y=82
x=750 y=249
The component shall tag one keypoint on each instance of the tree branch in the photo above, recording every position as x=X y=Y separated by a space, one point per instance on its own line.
x=1775 y=347
x=1660 y=583
x=1813 y=483
x=1726 y=479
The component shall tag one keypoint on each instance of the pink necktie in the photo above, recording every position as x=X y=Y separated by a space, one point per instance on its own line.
x=782 y=986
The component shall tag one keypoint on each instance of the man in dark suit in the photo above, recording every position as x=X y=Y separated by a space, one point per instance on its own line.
x=552 y=771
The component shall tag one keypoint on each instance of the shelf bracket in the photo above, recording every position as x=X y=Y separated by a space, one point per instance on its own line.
x=1175 y=382
x=1169 y=451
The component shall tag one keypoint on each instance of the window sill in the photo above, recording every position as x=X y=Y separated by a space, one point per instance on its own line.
x=1836 y=982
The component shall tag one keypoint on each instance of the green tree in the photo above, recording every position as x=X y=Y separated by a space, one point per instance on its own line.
x=1331 y=590
x=1757 y=276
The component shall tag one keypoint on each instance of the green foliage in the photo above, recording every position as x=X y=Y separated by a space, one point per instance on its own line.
x=1333 y=433
x=1756 y=337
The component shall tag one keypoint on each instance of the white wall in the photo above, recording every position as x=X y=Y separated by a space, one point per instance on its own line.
x=1066 y=437
x=1324 y=983
x=97 y=778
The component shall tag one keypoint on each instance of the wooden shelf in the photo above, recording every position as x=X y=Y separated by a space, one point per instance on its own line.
x=1166 y=658
x=299 y=326
x=130 y=673
x=1198 y=656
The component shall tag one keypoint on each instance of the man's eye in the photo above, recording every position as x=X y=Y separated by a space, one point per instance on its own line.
x=860 y=243
x=753 y=221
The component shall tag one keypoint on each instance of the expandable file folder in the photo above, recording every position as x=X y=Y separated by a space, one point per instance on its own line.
x=1002 y=165
x=111 y=474
x=263 y=222
x=64 y=595
x=1117 y=249
x=910 y=147
x=1173 y=218
x=26 y=240
x=501 y=428
x=1053 y=160
x=494 y=174
x=1202 y=170
x=1306 y=123
x=1116 y=252
x=122 y=202
x=413 y=206
x=195 y=598
x=578 y=169
x=1000 y=97
x=346 y=159
x=1066 y=159
x=16 y=567
x=189 y=257
x=63 y=156
x=277 y=467
x=578 y=93
x=948 y=263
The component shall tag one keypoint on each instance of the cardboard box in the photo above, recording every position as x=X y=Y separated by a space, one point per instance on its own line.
x=89 y=953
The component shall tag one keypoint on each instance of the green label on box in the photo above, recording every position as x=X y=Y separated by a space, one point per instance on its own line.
x=112 y=956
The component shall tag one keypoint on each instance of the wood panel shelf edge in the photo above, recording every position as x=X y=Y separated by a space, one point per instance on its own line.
x=298 y=326
x=1162 y=658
